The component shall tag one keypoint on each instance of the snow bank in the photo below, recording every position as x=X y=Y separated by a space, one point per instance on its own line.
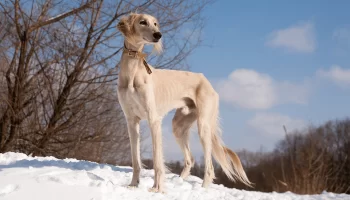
x=48 y=178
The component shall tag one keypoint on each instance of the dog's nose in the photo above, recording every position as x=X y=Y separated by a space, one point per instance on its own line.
x=157 y=35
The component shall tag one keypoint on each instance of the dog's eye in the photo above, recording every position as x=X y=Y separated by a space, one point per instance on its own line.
x=155 y=24
x=143 y=22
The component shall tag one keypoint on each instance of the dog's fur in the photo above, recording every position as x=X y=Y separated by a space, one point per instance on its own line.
x=151 y=96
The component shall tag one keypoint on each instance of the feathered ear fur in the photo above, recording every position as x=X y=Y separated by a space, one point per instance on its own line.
x=125 y=25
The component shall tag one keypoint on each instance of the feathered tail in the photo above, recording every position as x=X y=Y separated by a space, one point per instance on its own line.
x=228 y=160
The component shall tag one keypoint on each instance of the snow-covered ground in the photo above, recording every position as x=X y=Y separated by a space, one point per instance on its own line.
x=48 y=178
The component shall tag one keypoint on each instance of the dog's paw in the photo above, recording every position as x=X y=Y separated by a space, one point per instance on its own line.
x=156 y=190
x=133 y=186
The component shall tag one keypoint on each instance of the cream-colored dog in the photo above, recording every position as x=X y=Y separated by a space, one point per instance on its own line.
x=148 y=93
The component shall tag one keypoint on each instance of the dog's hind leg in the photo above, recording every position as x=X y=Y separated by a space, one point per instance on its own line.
x=206 y=102
x=204 y=130
x=182 y=123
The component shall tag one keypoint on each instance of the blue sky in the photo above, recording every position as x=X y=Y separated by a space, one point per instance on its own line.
x=273 y=63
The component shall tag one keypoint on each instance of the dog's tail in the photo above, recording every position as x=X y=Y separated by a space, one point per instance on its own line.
x=228 y=160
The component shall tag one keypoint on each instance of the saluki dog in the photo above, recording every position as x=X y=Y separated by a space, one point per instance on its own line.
x=146 y=93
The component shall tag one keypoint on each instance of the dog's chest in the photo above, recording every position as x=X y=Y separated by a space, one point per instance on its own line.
x=132 y=95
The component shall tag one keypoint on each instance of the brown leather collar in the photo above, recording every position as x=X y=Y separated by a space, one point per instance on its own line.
x=140 y=55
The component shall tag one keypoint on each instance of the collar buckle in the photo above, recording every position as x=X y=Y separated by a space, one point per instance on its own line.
x=131 y=53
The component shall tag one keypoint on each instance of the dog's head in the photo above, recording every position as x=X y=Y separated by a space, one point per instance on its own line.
x=141 y=29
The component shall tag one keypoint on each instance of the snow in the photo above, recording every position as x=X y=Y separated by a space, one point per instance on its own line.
x=41 y=178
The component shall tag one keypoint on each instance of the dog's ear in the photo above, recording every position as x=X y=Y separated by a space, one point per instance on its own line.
x=126 y=25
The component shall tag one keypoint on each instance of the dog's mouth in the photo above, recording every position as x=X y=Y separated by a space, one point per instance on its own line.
x=154 y=40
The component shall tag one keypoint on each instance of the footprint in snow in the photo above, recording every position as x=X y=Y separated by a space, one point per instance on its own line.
x=94 y=176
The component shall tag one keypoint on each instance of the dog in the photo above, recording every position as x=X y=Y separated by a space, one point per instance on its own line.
x=146 y=93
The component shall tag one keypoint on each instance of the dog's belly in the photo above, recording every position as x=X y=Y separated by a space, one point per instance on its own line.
x=164 y=107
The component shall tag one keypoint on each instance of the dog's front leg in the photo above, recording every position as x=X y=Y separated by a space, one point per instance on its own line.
x=134 y=135
x=158 y=163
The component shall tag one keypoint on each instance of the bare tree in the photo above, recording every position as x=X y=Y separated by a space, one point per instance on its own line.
x=60 y=69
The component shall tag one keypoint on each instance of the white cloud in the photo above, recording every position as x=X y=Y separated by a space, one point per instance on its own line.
x=297 y=38
x=336 y=74
x=248 y=89
x=272 y=123
x=252 y=90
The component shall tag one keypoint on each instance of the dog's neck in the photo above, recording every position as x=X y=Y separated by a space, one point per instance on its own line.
x=135 y=52
x=133 y=47
x=132 y=64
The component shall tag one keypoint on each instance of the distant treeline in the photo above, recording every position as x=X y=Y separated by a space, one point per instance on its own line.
x=305 y=162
